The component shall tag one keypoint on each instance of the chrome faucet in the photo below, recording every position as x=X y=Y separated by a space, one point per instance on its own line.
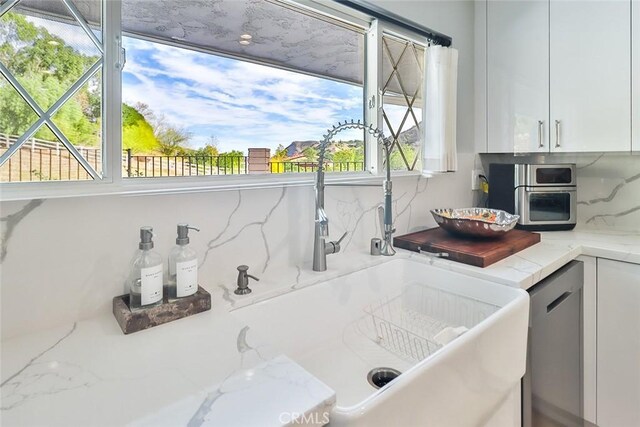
x=322 y=248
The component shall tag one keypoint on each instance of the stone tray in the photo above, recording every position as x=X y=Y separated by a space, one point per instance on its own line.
x=134 y=321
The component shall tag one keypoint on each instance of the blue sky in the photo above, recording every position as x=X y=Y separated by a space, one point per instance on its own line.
x=241 y=104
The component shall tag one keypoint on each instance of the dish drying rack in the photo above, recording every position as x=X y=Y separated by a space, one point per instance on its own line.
x=407 y=324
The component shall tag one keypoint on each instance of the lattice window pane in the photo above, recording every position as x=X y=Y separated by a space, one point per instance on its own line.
x=51 y=61
x=15 y=114
x=403 y=78
x=47 y=160
x=47 y=55
x=80 y=119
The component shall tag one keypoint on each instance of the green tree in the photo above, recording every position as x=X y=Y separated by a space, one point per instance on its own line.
x=173 y=140
x=15 y=115
x=231 y=159
x=280 y=154
x=345 y=154
x=208 y=151
x=397 y=163
x=46 y=67
x=279 y=159
x=311 y=154
x=28 y=49
x=207 y=155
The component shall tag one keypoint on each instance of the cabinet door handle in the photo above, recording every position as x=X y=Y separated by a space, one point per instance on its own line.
x=557 y=133
x=558 y=301
x=540 y=133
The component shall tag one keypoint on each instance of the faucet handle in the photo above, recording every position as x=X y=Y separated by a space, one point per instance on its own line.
x=334 y=247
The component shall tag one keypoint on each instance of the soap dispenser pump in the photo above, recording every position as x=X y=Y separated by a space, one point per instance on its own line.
x=183 y=266
x=145 y=278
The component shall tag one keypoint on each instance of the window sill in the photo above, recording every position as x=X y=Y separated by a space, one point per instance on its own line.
x=182 y=185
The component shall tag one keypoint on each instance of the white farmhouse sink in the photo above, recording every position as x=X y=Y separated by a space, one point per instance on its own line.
x=387 y=316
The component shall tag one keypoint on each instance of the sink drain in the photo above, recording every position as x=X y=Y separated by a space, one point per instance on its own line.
x=380 y=377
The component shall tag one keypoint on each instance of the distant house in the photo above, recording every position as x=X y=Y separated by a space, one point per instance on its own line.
x=295 y=149
x=296 y=157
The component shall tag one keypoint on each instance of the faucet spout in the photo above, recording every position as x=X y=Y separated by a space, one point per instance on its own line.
x=322 y=221
x=321 y=248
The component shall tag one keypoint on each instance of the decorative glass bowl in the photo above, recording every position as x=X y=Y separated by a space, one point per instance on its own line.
x=475 y=222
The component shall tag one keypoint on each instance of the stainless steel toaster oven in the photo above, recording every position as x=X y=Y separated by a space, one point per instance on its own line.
x=544 y=195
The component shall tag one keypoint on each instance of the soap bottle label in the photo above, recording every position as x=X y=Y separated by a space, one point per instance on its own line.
x=151 y=278
x=186 y=278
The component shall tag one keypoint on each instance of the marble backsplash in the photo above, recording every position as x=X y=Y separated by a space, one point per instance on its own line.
x=608 y=186
x=609 y=191
x=64 y=259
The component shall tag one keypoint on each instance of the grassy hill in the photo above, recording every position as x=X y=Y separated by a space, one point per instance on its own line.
x=137 y=133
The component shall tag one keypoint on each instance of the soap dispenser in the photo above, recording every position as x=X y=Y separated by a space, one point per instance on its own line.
x=183 y=266
x=145 y=279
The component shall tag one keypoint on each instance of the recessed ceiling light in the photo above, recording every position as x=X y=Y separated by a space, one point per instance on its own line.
x=245 y=42
x=246 y=37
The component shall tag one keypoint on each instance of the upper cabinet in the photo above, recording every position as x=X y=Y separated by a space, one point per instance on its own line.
x=517 y=76
x=590 y=75
x=635 y=54
x=559 y=76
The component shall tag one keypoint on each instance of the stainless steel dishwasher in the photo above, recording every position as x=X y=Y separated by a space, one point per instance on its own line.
x=552 y=386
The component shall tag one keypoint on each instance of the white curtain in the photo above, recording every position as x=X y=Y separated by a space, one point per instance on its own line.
x=439 y=115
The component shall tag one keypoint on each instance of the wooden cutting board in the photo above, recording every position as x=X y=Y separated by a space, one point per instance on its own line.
x=478 y=252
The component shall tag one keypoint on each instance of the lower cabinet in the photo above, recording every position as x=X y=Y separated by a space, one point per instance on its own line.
x=618 y=344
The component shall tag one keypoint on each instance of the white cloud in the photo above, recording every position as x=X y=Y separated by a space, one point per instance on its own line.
x=244 y=105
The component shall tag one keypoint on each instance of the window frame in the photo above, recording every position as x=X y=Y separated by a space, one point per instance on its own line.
x=113 y=183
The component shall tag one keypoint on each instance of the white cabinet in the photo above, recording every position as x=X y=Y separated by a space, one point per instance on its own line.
x=635 y=56
x=559 y=76
x=589 y=339
x=618 y=361
x=517 y=76
x=590 y=75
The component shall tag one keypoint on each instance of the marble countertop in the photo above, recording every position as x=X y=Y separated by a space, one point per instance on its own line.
x=207 y=369
x=528 y=267
x=211 y=369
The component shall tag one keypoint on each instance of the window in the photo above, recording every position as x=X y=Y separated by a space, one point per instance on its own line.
x=243 y=87
x=234 y=87
x=50 y=93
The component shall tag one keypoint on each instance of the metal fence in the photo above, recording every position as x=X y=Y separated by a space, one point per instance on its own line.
x=40 y=160
x=143 y=166
x=301 y=167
